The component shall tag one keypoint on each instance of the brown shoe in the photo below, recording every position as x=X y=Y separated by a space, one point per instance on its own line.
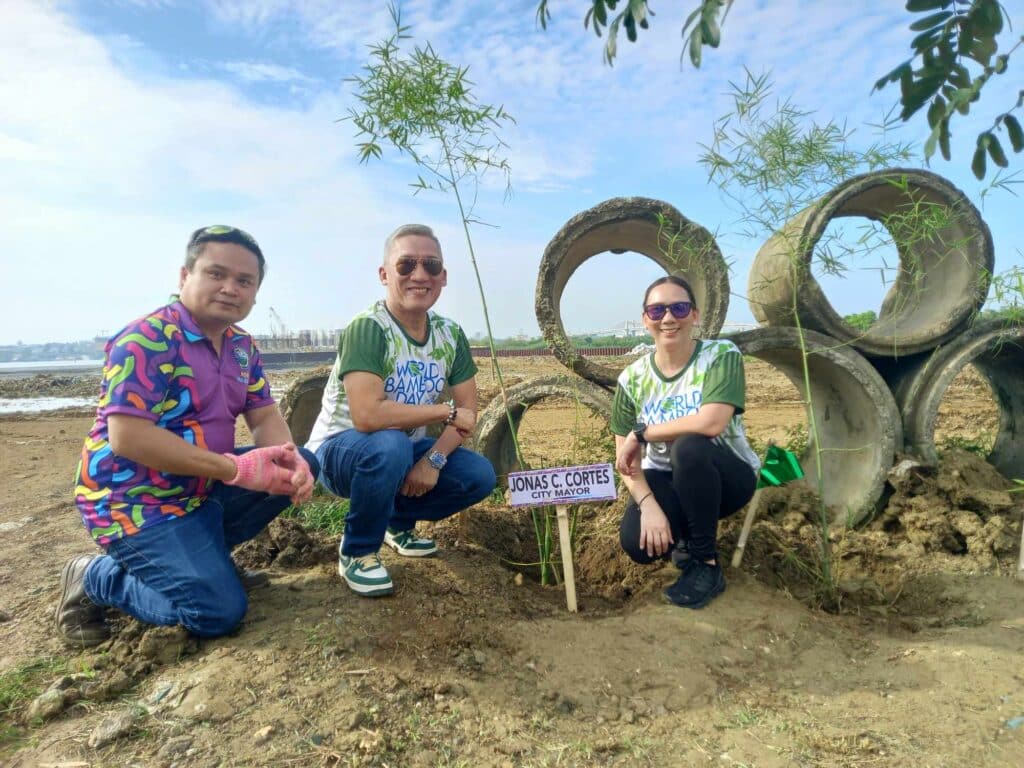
x=78 y=621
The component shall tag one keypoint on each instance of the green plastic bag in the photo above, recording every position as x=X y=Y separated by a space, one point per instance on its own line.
x=779 y=467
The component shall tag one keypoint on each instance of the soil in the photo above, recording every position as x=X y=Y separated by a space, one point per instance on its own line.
x=915 y=659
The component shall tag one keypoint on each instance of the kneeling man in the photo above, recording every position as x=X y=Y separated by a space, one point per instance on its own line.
x=393 y=361
x=161 y=487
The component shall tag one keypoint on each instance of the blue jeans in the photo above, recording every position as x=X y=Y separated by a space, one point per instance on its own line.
x=368 y=469
x=180 y=571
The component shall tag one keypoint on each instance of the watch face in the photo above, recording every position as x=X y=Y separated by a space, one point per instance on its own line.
x=437 y=460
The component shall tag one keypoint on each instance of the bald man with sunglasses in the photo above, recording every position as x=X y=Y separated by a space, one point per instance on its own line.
x=394 y=359
x=161 y=487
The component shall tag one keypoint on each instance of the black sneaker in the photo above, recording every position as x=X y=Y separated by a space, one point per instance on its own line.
x=78 y=621
x=681 y=557
x=697 y=586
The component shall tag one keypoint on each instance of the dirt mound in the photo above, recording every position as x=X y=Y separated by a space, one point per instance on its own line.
x=49 y=385
x=286 y=544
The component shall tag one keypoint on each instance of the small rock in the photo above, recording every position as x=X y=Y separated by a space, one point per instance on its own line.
x=262 y=736
x=174 y=747
x=48 y=704
x=5 y=616
x=112 y=728
x=518 y=579
x=565 y=705
x=628 y=716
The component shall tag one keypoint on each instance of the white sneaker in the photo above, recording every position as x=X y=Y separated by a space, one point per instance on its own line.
x=409 y=544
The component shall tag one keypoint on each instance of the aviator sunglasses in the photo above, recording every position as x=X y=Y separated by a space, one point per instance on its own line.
x=679 y=310
x=405 y=267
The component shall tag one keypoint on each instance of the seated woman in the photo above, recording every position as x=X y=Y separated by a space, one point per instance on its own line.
x=680 y=445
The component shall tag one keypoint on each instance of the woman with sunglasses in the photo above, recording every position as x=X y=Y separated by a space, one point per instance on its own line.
x=680 y=445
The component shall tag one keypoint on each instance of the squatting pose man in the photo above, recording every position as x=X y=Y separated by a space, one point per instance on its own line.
x=393 y=361
x=161 y=486
x=680 y=445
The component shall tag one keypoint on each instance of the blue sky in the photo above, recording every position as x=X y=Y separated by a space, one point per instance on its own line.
x=126 y=124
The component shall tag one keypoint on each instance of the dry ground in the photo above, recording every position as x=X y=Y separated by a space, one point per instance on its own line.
x=470 y=664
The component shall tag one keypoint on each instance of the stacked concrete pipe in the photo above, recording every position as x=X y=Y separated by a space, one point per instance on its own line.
x=649 y=227
x=858 y=424
x=942 y=282
x=920 y=383
x=495 y=436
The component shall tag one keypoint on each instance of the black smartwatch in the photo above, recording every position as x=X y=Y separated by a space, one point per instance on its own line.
x=638 y=431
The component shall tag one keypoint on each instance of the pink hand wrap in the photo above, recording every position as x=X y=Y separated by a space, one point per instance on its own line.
x=257 y=470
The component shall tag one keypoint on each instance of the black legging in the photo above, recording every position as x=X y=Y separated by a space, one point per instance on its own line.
x=707 y=483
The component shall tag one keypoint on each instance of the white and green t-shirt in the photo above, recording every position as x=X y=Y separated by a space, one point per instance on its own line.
x=413 y=372
x=713 y=375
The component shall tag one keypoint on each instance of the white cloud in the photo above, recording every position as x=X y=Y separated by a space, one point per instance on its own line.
x=263 y=72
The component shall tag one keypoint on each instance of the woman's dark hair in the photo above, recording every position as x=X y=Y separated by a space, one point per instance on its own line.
x=675 y=280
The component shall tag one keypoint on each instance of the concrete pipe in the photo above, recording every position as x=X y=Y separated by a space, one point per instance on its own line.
x=920 y=382
x=858 y=424
x=943 y=277
x=649 y=227
x=301 y=403
x=493 y=436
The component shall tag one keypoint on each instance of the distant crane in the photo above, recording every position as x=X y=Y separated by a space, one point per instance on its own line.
x=277 y=328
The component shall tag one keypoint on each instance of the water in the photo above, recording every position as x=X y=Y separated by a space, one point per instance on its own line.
x=42 y=404
x=32 y=367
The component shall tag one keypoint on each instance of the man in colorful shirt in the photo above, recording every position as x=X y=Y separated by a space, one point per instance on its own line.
x=161 y=487
x=393 y=361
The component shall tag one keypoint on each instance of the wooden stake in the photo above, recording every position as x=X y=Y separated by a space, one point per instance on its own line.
x=566 y=545
x=748 y=523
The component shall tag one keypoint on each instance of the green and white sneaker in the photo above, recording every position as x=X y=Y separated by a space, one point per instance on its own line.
x=365 y=575
x=409 y=544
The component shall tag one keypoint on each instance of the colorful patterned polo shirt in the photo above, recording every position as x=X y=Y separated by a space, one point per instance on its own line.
x=413 y=372
x=162 y=368
x=714 y=374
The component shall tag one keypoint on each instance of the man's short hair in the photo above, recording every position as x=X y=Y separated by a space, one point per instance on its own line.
x=220 y=233
x=410 y=229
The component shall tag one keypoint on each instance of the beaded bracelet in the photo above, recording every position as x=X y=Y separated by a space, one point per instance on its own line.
x=453 y=411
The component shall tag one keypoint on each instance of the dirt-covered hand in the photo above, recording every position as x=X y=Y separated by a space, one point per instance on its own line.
x=301 y=480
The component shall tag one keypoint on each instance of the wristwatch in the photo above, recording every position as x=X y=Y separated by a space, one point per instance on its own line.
x=638 y=431
x=437 y=460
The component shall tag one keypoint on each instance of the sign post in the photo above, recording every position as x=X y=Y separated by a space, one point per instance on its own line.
x=561 y=486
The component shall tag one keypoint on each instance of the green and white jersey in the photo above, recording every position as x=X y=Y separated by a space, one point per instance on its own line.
x=713 y=375
x=412 y=372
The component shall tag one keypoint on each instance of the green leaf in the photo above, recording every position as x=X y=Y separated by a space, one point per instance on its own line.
x=978 y=163
x=936 y=112
x=944 y=139
x=930 y=21
x=995 y=150
x=1013 y=130
x=711 y=32
x=695 y=47
x=916 y=6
